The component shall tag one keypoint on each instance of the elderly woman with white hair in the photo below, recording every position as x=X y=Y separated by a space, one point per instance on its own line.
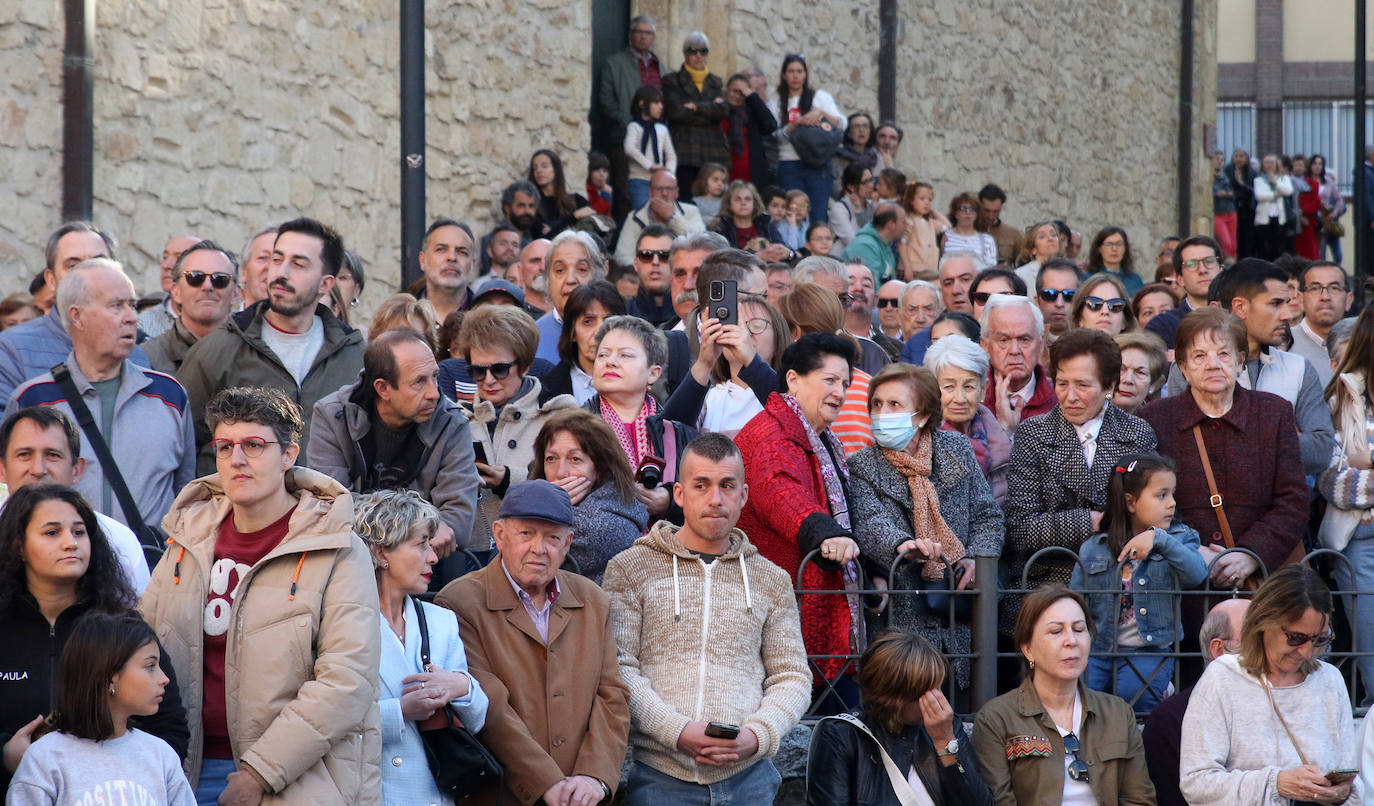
x=574 y=259
x=694 y=103
x=961 y=370
x=397 y=526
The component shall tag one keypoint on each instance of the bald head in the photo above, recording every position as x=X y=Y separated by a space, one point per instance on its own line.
x=1220 y=633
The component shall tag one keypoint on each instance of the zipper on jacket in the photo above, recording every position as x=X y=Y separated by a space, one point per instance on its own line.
x=52 y=665
x=701 y=654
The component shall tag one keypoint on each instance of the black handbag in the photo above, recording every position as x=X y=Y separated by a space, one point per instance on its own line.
x=460 y=764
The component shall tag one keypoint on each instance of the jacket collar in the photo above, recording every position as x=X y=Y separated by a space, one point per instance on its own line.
x=1190 y=415
x=1028 y=701
x=357 y=408
x=501 y=596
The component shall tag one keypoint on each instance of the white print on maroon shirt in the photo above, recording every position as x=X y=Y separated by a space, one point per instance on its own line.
x=225 y=576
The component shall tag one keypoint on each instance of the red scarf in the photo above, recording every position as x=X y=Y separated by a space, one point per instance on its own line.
x=634 y=437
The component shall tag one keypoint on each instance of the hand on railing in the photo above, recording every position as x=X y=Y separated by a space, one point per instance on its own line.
x=1229 y=568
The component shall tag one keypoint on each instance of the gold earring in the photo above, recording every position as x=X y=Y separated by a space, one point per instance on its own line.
x=112 y=689
x=1032 y=664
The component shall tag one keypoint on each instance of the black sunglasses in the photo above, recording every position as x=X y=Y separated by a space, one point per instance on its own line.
x=1078 y=768
x=697 y=51
x=1115 y=304
x=499 y=371
x=196 y=279
x=980 y=297
x=1299 y=638
x=648 y=255
x=890 y=302
x=1051 y=294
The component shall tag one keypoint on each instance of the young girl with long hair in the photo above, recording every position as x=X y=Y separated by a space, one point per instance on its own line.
x=1140 y=550
x=648 y=145
x=108 y=674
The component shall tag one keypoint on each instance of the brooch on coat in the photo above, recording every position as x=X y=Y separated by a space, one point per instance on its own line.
x=1019 y=747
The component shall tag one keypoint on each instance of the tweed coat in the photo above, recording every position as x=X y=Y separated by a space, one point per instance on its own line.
x=1052 y=493
x=697 y=134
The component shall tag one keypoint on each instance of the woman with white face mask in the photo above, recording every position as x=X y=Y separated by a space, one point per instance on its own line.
x=919 y=493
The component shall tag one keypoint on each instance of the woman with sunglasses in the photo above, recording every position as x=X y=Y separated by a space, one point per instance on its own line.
x=1272 y=723
x=969 y=233
x=1111 y=252
x=1103 y=304
x=1053 y=740
x=694 y=103
x=498 y=343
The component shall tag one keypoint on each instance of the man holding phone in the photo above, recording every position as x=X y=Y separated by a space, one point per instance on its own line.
x=710 y=645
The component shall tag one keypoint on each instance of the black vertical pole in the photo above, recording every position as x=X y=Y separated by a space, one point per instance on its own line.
x=887 y=60
x=78 y=98
x=1185 y=123
x=1360 y=214
x=412 y=137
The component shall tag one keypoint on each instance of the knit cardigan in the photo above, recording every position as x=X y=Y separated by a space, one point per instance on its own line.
x=702 y=641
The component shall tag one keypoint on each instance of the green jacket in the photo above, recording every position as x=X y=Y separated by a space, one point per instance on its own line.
x=869 y=248
x=236 y=355
x=616 y=89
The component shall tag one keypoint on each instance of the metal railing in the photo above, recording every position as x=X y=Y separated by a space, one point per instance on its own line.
x=984 y=656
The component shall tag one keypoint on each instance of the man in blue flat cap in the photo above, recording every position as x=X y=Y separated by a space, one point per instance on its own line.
x=539 y=641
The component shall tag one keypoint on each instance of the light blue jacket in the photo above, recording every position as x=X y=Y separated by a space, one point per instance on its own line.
x=1173 y=563
x=36 y=346
x=405 y=774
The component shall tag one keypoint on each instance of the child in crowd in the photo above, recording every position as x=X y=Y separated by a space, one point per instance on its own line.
x=599 y=192
x=109 y=672
x=889 y=185
x=774 y=203
x=647 y=143
x=793 y=226
x=708 y=189
x=919 y=252
x=1140 y=554
x=626 y=281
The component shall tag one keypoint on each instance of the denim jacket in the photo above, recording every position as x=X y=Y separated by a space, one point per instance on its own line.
x=1174 y=562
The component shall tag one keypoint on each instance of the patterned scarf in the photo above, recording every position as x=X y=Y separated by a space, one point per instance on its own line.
x=834 y=472
x=925 y=510
x=634 y=437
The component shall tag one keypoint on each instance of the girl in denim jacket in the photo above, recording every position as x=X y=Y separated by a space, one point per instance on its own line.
x=1141 y=549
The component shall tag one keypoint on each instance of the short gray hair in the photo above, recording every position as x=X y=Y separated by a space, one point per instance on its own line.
x=206 y=246
x=644 y=20
x=244 y=256
x=701 y=242
x=915 y=285
x=1010 y=301
x=957 y=351
x=1339 y=336
x=386 y=518
x=654 y=340
x=588 y=242
x=72 y=291
x=948 y=256
x=809 y=267
x=1216 y=625
x=695 y=39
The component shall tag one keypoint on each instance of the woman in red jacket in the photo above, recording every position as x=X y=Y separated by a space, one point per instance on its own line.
x=798 y=502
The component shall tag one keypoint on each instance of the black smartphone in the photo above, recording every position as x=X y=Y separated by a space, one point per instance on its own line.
x=481 y=452
x=1334 y=778
x=720 y=730
x=723 y=301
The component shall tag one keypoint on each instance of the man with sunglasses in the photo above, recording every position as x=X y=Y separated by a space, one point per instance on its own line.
x=392 y=429
x=143 y=416
x=1197 y=260
x=653 y=303
x=204 y=288
x=158 y=319
x=1055 y=287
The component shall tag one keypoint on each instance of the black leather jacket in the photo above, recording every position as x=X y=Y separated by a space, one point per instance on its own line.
x=846 y=769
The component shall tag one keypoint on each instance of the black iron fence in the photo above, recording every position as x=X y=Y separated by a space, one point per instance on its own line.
x=985 y=658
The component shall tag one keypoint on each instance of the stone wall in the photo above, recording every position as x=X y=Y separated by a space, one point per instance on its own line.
x=218 y=116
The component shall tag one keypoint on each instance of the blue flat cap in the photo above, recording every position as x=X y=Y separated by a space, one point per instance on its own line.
x=495 y=285
x=537 y=499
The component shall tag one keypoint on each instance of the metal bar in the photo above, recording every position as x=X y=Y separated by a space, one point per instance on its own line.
x=1185 y=120
x=78 y=102
x=985 y=631
x=887 y=59
x=1357 y=218
x=412 y=137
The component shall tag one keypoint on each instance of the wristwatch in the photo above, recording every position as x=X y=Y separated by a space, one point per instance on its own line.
x=951 y=749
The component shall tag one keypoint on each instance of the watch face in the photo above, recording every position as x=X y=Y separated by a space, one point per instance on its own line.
x=952 y=749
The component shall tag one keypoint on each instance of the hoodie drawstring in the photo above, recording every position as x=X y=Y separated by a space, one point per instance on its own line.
x=677 y=598
x=296 y=576
x=744 y=572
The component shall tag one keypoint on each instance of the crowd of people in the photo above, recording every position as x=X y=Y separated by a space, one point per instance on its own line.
x=558 y=496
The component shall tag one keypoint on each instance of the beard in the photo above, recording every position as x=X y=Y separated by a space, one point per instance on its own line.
x=522 y=222
x=295 y=303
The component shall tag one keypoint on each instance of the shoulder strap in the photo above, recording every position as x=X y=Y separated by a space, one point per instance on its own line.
x=900 y=785
x=63 y=377
x=424 y=632
x=1212 y=488
x=1265 y=682
x=669 y=452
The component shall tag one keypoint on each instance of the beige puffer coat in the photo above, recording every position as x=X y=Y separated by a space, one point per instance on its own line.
x=303 y=646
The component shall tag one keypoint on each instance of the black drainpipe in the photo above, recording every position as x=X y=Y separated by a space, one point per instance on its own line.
x=78 y=98
x=412 y=138
x=1185 y=122
x=887 y=60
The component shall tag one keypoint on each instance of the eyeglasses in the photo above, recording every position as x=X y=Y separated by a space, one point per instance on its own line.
x=966 y=208
x=196 y=279
x=1078 y=768
x=889 y=302
x=1052 y=294
x=252 y=447
x=663 y=188
x=1211 y=262
x=696 y=51
x=1115 y=304
x=649 y=255
x=1299 y=638
x=1323 y=290
x=1113 y=245
x=757 y=326
x=500 y=371
x=846 y=299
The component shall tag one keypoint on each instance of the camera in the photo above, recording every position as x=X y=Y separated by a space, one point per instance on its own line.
x=650 y=472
